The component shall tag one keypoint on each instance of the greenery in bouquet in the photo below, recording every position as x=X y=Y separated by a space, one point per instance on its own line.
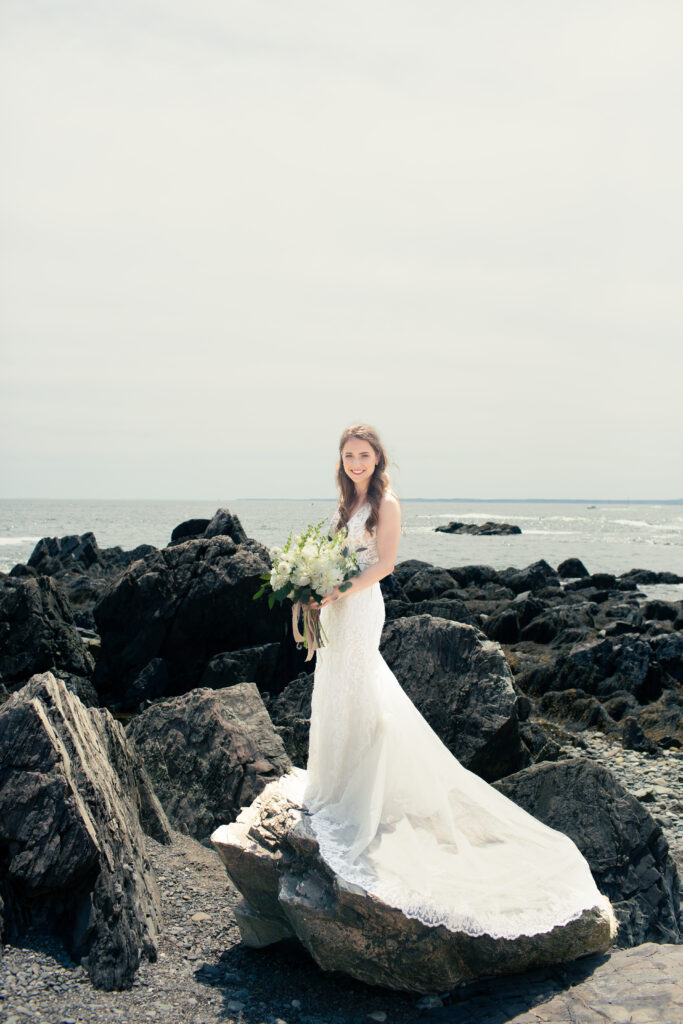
x=309 y=566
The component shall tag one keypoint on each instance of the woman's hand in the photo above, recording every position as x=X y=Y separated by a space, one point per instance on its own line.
x=334 y=596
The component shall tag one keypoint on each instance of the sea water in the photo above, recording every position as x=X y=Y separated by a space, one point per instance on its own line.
x=607 y=537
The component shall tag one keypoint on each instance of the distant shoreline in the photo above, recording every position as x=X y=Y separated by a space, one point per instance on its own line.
x=482 y=501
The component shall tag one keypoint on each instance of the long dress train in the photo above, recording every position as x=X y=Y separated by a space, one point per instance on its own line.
x=396 y=813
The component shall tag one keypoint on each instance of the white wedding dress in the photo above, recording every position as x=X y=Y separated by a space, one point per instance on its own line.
x=396 y=813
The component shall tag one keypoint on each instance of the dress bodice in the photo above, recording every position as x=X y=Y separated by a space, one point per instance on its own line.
x=359 y=537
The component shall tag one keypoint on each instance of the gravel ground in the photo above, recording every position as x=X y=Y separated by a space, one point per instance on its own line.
x=204 y=975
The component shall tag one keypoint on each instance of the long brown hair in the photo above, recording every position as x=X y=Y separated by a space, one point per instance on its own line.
x=379 y=481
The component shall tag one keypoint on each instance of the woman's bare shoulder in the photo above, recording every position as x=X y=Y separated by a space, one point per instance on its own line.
x=390 y=502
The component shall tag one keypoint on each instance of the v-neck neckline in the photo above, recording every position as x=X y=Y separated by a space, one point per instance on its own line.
x=360 y=507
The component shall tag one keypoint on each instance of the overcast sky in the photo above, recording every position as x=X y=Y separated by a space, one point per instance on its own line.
x=229 y=230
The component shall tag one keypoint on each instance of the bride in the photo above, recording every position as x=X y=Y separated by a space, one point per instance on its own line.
x=392 y=809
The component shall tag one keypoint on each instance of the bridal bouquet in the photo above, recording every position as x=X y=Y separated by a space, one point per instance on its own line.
x=310 y=565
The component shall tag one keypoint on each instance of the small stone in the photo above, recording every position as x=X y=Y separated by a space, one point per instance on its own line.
x=430 y=1002
x=378 y=1015
x=234 y=1006
x=296 y=1004
x=200 y=916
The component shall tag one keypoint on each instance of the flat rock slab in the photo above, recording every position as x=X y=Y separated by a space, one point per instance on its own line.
x=272 y=857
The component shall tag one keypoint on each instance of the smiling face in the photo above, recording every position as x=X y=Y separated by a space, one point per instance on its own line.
x=359 y=460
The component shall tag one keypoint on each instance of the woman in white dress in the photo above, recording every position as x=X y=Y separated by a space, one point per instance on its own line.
x=393 y=810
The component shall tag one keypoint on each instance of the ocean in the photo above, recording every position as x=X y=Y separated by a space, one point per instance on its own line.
x=607 y=537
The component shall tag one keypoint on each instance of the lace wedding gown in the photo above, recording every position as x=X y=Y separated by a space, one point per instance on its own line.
x=396 y=813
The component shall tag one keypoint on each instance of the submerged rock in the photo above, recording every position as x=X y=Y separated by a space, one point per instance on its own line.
x=272 y=857
x=486 y=529
x=72 y=849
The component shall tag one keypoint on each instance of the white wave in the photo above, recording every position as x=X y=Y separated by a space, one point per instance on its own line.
x=631 y=522
x=7 y=541
x=548 y=533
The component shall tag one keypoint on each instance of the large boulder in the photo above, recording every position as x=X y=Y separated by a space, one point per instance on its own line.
x=623 y=844
x=183 y=605
x=72 y=850
x=462 y=684
x=37 y=631
x=208 y=753
x=272 y=857
x=534 y=577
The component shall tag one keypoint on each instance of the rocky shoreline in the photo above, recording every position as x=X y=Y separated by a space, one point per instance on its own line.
x=204 y=974
x=581 y=669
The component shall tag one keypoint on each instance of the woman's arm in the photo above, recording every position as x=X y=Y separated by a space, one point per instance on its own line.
x=387 y=535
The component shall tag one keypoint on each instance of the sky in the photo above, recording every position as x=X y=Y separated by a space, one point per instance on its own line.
x=229 y=230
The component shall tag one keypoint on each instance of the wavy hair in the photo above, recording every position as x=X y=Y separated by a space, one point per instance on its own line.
x=379 y=481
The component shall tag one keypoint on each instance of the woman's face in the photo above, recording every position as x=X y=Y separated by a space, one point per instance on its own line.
x=359 y=460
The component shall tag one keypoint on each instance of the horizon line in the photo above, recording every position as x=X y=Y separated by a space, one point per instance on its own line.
x=563 y=501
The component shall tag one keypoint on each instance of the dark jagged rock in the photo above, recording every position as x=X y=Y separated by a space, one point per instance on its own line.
x=449 y=608
x=462 y=685
x=540 y=745
x=571 y=568
x=648 y=576
x=185 y=604
x=72 y=851
x=272 y=857
x=662 y=719
x=290 y=712
x=600 y=667
x=623 y=844
x=224 y=523
x=37 y=631
x=404 y=570
x=430 y=583
x=486 y=529
x=188 y=530
x=208 y=753
x=633 y=737
x=54 y=556
x=533 y=577
x=503 y=626
x=597 y=581
x=543 y=628
x=249 y=665
x=659 y=610
x=619 y=704
x=473 y=575
x=575 y=708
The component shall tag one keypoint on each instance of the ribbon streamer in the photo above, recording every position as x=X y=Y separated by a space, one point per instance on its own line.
x=309 y=638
